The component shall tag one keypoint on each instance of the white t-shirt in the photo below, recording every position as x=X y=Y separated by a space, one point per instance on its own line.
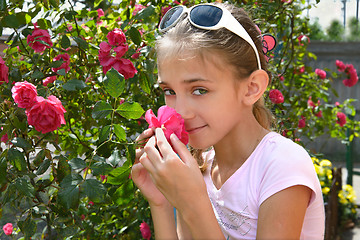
x=276 y=163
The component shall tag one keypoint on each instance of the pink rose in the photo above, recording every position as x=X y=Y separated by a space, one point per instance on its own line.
x=105 y=57
x=121 y=50
x=341 y=119
x=137 y=9
x=100 y=12
x=116 y=37
x=340 y=65
x=4 y=137
x=24 y=94
x=123 y=66
x=302 y=39
x=276 y=96
x=145 y=230
x=8 y=229
x=46 y=115
x=170 y=121
x=302 y=122
x=4 y=72
x=39 y=35
x=321 y=73
x=352 y=77
x=66 y=62
x=49 y=80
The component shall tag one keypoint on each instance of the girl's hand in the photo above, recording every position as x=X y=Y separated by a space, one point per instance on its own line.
x=178 y=177
x=141 y=177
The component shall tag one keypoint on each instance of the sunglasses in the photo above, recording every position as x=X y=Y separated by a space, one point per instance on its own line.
x=208 y=17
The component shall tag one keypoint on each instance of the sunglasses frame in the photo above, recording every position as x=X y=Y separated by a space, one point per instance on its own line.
x=227 y=21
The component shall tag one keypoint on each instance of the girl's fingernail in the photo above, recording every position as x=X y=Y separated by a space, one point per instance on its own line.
x=174 y=137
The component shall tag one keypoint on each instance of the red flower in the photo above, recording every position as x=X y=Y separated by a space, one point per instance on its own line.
x=4 y=137
x=302 y=122
x=145 y=230
x=321 y=73
x=24 y=94
x=276 y=96
x=170 y=121
x=8 y=229
x=123 y=66
x=46 y=115
x=302 y=38
x=352 y=77
x=137 y=9
x=116 y=37
x=66 y=62
x=340 y=65
x=4 y=72
x=100 y=12
x=49 y=80
x=341 y=119
x=37 y=37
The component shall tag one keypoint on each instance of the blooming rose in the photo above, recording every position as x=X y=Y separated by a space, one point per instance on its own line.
x=340 y=65
x=123 y=66
x=39 y=35
x=105 y=57
x=276 y=96
x=145 y=230
x=137 y=8
x=321 y=73
x=4 y=72
x=4 y=137
x=24 y=94
x=46 y=115
x=100 y=12
x=302 y=122
x=341 y=119
x=170 y=121
x=66 y=62
x=116 y=37
x=49 y=80
x=352 y=77
x=8 y=229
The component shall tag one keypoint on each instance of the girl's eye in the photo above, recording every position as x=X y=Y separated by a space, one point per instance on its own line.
x=200 y=91
x=168 y=92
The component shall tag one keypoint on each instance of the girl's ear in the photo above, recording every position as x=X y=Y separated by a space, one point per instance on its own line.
x=256 y=86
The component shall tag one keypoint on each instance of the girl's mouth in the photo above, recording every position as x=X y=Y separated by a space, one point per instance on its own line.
x=195 y=129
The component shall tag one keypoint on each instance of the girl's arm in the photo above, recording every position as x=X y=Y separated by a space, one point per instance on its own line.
x=180 y=180
x=281 y=216
x=164 y=222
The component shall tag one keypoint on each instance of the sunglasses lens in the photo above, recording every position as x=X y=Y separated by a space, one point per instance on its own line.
x=170 y=17
x=206 y=15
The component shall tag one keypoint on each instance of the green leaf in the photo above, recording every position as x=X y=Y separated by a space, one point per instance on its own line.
x=94 y=189
x=77 y=163
x=101 y=168
x=3 y=167
x=24 y=186
x=130 y=110
x=27 y=227
x=63 y=168
x=97 y=3
x=43 y=167
x=39 y=158
x=135 y=35
x=101 y=110
x=74 y=84
x=119 y=132
x=119 y=175
x=11 y=21
x=69 y=196
x=115 y=158
x=65 y=42
x=81 y=43
x=37 y=74
x=2 y=5
x=17 y=159
x=114 y=83
x=20 y=142
x=146 y=13
x=104 y=133
x=124 y=194
x=61 y=72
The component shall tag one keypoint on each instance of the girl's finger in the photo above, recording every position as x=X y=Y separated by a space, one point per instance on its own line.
x=162 y=143
x=151 y=151
x=144 y=136
x=146 y=163
x=182 y=150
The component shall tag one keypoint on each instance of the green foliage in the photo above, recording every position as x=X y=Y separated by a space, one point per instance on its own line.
x=354 y=28
x=335 y=31
x=74 y=182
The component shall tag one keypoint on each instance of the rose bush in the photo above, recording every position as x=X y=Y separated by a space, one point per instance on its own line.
x=66 y=154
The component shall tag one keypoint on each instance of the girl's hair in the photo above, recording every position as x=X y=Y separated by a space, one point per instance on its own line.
x=184 y=39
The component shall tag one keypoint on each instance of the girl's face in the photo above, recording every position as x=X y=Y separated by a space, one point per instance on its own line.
x=205 y=94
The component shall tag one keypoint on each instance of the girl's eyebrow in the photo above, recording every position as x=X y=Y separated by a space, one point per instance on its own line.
x=187 y=81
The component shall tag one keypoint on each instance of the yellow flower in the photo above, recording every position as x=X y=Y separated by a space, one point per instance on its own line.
x=325 y=190
x=325 y=163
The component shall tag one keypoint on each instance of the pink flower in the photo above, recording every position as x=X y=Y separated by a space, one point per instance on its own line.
x=302 y=122
x=281 y=77
x=49 y=80
x=46 y=115
x=321 y=73
x=123 y=66
x=276 y=96
x=24 y=94
x=340 y=65
x=4 y=72
x=145 y=230
x=352 y=77
x=4 y=137
x=302 y=39
x=337 y=104
x=66 y=62
x=8 y=229
x=37 y=37
x=105 y=57
x=116 y=37
x=341 y=119
x=100 y=13
x=170 y=121
x=137 y=9
x=121 y=50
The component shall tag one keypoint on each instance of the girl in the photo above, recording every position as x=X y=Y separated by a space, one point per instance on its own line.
x=251 y=183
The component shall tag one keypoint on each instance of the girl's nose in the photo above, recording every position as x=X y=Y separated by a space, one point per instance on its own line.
x=184 y=109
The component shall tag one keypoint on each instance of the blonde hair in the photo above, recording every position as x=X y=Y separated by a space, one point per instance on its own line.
x=184 y=38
